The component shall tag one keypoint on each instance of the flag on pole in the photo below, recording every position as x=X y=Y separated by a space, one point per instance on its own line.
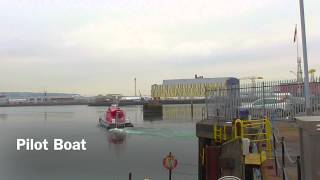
x=295 y=34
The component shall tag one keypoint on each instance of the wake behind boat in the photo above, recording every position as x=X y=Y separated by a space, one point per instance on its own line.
x=114 y=118
x=117 y=136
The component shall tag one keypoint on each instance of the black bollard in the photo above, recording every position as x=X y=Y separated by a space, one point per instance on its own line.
x=274 y=150
x=298 y=168
x=191 y=108
x=170 y=171
x=130 y=176
x=282 y=152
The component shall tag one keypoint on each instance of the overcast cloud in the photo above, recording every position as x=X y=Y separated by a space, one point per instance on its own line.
x=97 y=46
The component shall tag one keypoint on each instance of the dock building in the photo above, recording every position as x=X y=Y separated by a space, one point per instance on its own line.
x=190 y=88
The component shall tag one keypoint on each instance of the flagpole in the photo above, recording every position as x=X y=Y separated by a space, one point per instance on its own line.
x=297 y=41
x=305 y=60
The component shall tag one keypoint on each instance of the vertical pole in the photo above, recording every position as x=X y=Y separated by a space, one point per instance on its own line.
x=305 y=60
x=264 y=102
x=297 y=40
x=299 y=70
x=206 y=94
x=275 y=150
x=282 y=153
x=170 y=171
x=200 y=143
x=192 y=108
x=130 y=176
x=45 y=96
x=302 y=154
x=298 y=168
x=202 y=113
x=135 y=86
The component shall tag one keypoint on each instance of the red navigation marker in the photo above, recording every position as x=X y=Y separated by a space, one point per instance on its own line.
x=169 y=162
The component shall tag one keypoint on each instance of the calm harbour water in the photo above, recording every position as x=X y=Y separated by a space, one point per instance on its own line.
x=141 y=151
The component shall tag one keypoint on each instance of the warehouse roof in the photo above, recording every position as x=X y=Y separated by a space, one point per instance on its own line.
x=197 y=80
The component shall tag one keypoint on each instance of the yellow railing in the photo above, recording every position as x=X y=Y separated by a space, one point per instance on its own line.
x=257 y=131
x=220 y=134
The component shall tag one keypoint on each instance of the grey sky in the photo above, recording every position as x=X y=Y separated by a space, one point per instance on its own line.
x=92 y=47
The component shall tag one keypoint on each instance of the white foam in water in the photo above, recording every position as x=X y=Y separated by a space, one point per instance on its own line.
x=117 y=130
x=165 y=132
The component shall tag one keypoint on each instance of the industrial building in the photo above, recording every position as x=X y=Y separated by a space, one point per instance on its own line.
x=25 y=98
x=3 y=99
x=190 y=88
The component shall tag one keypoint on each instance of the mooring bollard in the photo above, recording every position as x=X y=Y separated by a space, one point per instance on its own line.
x=282 y=152
x=298 y=168
x=130 y=176
x=191 y=108
x=274 y=150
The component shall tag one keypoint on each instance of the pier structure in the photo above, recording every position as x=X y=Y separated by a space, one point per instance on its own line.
x=309 y=133
x=240 y=148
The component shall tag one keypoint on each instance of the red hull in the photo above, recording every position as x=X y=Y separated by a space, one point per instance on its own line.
x=114 y=118
x=115 y=115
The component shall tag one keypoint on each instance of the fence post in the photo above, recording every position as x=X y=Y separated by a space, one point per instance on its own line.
x=283 y=163
x=206 y=100
x=264 y=102
x=202 y=113
x=298 y=168
x=274 y=151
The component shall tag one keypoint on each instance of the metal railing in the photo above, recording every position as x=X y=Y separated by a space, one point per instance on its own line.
x=277 y=100
x=284 y=156
x=257 y=131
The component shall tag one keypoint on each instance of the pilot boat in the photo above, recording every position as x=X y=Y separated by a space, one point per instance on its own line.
x=114 y=118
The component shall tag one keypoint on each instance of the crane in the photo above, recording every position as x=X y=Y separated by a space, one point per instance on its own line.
x=252 y=79
x=298 y=78
x=292 y=72
x=312 y=72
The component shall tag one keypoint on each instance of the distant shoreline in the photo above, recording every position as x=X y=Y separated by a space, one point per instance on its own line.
x=126 y=103
x=42 y=104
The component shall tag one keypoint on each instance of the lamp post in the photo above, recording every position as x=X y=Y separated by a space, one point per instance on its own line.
x=305 y=60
